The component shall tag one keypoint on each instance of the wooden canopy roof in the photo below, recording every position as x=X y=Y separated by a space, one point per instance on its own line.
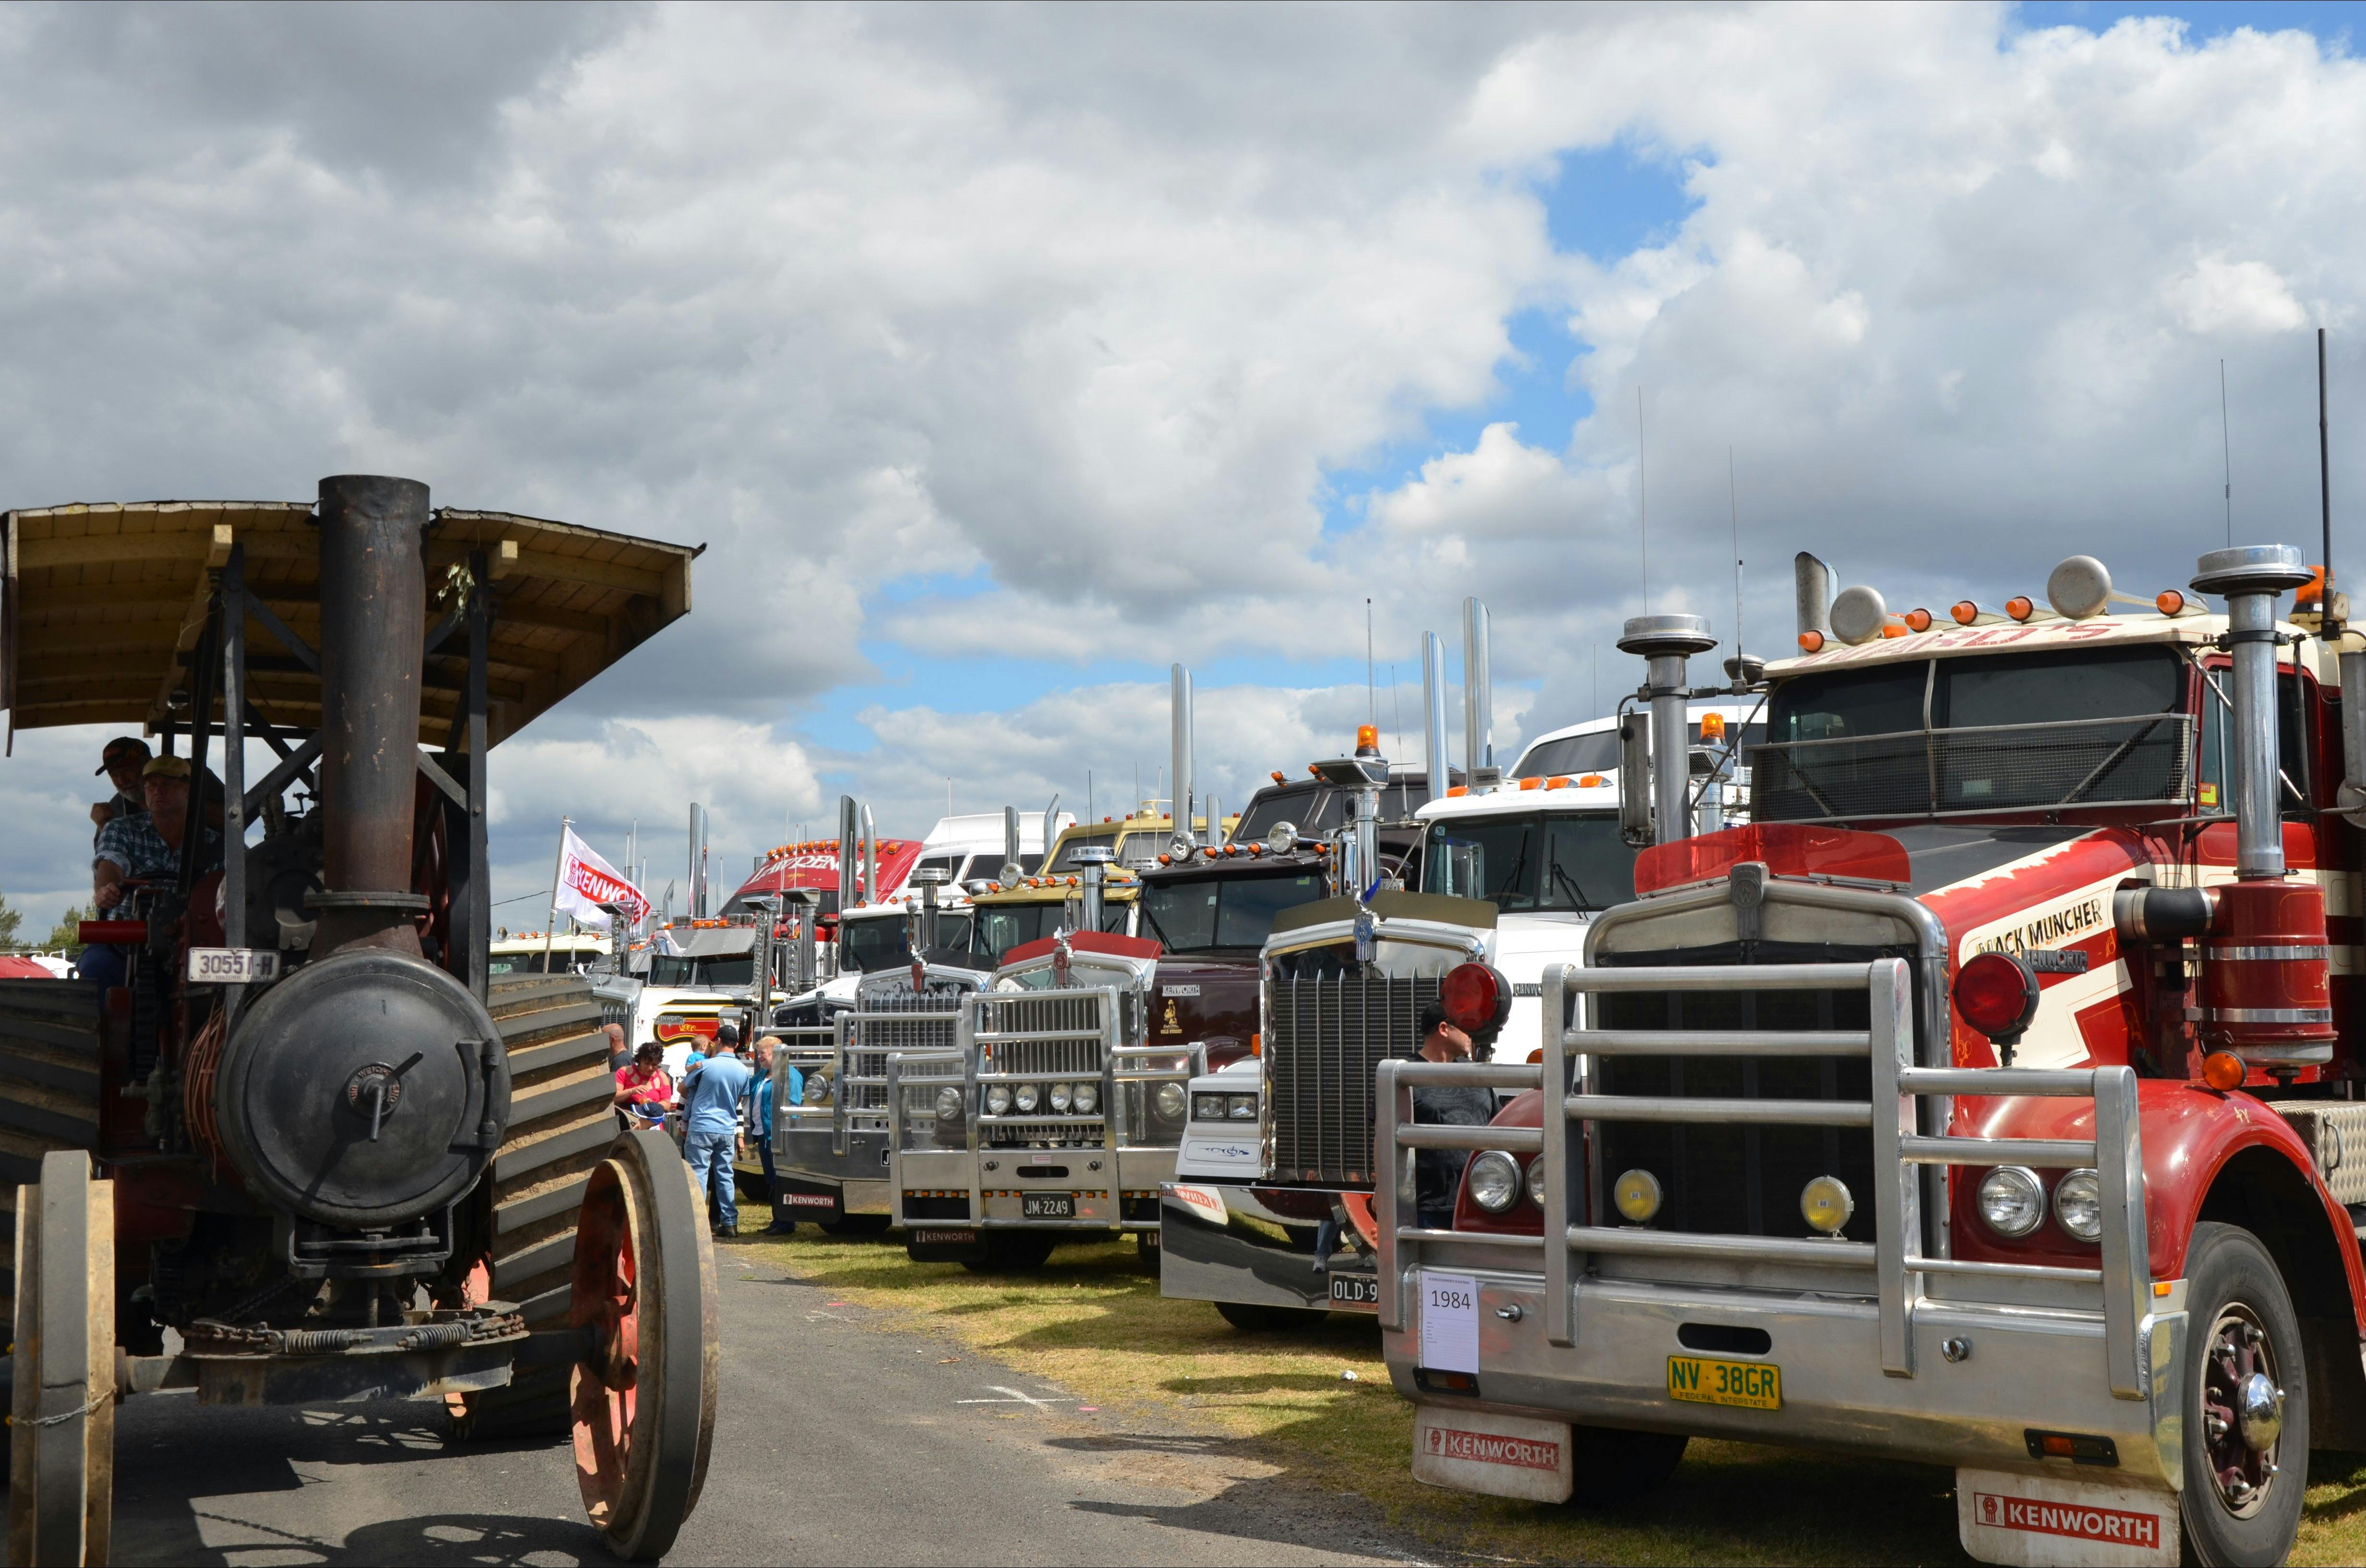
x=102 y=605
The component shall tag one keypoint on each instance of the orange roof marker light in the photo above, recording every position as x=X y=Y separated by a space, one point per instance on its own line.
x=1917 y=620
x=1712 y=727
x=1811 y=642
x=2172 y=604
x=1455 y=792
x=1278 y=777
x=1562 y=782
x=1592 y=781
x=2019 y=607
x=1532 y=784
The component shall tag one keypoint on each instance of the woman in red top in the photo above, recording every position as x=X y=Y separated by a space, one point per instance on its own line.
x=644 y=1085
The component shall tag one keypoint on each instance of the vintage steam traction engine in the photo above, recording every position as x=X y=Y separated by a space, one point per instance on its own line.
x=305 y=1135
x=1986 y=1102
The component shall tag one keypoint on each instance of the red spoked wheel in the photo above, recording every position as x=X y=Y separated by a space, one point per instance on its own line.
x=644 y=1299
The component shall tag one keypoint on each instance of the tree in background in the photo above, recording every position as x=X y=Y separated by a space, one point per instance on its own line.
x=67 y=934
x=10 y=920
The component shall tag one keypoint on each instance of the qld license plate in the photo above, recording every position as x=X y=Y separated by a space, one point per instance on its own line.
x=1048 y=1206
x=1355 y=1293
x=1746 y=1385
x=233 y=966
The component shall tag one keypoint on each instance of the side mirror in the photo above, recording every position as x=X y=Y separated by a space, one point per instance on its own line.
x=1635 y=780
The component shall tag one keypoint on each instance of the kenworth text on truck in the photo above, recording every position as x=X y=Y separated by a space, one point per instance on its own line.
x=303 y=1126
x=1983 y=1102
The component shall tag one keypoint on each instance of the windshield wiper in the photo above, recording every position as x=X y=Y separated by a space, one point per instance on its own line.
x=1577 y=895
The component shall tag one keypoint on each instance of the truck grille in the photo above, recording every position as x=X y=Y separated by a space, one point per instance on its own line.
x=1011 y=1038
x=1324 y=1039
x=1728 y=1180
x=892 y=1022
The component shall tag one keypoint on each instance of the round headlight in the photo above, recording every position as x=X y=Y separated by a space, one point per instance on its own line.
x=1637 y=1194
x=1283 y=839
x=2012 y=1200
x=998 y=1099
x=1088 y=1098
x=1494 y=1181
x=816 y=1091
x=2078 y=1205
x=1027 y=1098
x=949 y=1104
x=1060 y=1098
x=1168 y=1102
x=1536 y=1182
x=1825 y=1203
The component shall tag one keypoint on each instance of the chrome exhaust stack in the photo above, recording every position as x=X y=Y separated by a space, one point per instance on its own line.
x=1092 y=860
x=1665 y=642
x=1432 y=707
x=1813 y=583
x=1477 y=701
x=1178 y=727
x=2251 y=578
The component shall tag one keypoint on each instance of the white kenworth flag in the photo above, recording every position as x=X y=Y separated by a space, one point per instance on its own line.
x=586 y=882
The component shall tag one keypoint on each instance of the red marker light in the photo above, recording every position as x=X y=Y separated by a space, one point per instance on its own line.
x=1997 y=994
x=1474 y=997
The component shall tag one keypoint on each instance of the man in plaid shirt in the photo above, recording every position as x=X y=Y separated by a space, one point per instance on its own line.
x=146 y=845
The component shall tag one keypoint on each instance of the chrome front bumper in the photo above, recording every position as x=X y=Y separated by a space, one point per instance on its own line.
x=959 y=1192
x=2018 y=1370
x=1258 y=1246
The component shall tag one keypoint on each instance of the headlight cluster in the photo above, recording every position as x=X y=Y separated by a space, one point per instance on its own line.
x=2012 y=1200
x=1497 y=1182
x=1059 y=1098
x=1224 y=1107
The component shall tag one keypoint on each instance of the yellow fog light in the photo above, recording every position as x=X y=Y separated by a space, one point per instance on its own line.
x=1638 y=1196
x=1825 y=1203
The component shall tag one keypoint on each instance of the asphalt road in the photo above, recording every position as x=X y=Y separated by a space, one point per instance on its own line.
x=838 y=1442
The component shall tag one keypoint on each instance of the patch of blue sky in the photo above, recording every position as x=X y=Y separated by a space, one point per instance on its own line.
x=1604 y=203
x=2337 y=24
x=919 y=585
x=972 y=683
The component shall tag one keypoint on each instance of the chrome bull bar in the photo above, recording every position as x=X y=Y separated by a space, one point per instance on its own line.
x=1897 y=1258
x=1107 y=1131
x=804 y=1047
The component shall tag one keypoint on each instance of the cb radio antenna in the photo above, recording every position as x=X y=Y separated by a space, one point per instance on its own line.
x=2327 y=627
x=1733 y=501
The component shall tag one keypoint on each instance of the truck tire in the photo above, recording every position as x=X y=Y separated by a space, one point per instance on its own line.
x=1610 y=1466
x=1252 y=1319
x=2247 y=1403
x=526 y=1212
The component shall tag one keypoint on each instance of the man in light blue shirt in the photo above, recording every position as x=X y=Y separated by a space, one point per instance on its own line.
x=710 y=1105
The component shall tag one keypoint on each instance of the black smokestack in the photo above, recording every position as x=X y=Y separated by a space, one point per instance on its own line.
x=373 y=612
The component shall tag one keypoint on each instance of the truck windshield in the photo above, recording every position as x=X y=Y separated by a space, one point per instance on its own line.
x=1210 y=913
x=1977 y=734
x=736 y=969
x=1316 y=810
x=1525 y=863
x=1135 y=847
x=883 y=942
x=1001 y=927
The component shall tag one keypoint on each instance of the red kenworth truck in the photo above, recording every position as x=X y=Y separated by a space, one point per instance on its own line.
x=1986 y=1102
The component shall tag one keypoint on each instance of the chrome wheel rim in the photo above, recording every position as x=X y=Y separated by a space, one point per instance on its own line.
x=2241 y=1409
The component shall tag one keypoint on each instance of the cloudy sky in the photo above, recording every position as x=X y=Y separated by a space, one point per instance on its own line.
x=1002 y=356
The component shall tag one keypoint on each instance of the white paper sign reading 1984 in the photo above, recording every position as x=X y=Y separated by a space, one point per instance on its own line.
x=1449 y=1322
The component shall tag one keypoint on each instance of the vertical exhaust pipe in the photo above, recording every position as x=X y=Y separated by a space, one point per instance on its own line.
x=1665 y=642
x=2262 y=993
x=373 y=610
x=850 y=831
x=1051 y=831
x=1213 y=814
x=2251 y=578
x=1478 y=698
x=1813 y=580
x=1432 y=707
x=1179 y=740
x=1092 y=860
x=695 y=877
x=1011 y=870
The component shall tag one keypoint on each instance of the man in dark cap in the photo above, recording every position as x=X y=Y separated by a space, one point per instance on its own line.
x=120 y=760
x=1437 y=1173
x=147 y=845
